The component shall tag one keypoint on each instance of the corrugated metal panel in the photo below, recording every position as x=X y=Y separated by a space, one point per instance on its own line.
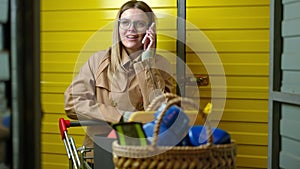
x=290 y=123
x=239 y=30
x=291 y=81
x=289 y=156
x=291 y=49
x=290 y=141
x=90 y=19
x=4 y=66
x=94 y=4
x=1 y=37
x=91 y=23
x=4 y=11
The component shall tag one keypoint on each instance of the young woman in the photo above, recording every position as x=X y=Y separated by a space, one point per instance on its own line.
x=114 y=83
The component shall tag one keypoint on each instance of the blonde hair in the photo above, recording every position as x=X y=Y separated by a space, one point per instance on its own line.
x=117 y=47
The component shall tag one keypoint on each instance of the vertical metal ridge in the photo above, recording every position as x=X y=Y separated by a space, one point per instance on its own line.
x=181 y=47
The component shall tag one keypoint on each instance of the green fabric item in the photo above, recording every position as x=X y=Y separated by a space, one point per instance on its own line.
x=147 y=54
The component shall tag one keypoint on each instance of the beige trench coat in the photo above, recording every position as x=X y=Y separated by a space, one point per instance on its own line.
x=92 y=95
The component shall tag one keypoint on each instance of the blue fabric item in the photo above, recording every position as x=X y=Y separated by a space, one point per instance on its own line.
x=173 y=128
x=6 y=121
x=165 y=138
x=198 y=136
x=170 y=115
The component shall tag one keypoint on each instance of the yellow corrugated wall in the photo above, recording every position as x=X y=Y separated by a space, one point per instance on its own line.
x=239 y=30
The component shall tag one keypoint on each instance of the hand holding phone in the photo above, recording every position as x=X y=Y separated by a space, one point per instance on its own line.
x=149 y=38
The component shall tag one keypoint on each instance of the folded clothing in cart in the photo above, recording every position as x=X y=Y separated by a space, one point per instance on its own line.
x=197 y=135
x=173 y=128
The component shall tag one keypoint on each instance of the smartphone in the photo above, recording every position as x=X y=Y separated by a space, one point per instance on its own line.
x=145 y=37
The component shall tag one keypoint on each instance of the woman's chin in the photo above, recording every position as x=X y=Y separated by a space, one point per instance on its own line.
x=133 y=46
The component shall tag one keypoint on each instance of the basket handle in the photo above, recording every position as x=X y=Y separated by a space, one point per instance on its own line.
x=154 y=105
x=174 y=101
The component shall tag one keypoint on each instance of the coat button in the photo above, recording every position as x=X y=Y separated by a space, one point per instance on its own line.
x=113 y=103
x=140 y=106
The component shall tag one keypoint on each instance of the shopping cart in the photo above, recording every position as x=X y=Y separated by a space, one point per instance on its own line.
x=77 y=156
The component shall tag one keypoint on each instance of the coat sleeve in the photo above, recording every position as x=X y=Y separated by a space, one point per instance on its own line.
x=80 y=96
x=154 y=79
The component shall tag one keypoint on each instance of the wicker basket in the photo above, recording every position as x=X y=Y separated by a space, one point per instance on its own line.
x=221 y=156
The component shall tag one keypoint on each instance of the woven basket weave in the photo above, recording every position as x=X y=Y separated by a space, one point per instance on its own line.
x=209 y=156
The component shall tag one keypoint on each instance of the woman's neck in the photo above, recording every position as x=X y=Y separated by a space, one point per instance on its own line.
x=133 y=53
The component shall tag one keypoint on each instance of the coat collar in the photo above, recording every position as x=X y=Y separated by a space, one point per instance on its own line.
x=118 y=82
x=127 y=62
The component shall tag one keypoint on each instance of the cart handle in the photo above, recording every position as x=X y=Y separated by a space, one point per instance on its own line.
x=64 y=124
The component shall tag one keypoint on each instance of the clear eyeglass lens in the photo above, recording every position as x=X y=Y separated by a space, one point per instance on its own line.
x=139 y=25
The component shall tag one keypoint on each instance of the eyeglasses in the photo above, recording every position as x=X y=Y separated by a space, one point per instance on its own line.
x=139 y=25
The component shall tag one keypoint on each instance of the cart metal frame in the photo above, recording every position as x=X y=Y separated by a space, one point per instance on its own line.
x=77 y=156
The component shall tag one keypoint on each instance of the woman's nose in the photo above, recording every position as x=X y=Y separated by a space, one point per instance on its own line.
x=132 y=27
